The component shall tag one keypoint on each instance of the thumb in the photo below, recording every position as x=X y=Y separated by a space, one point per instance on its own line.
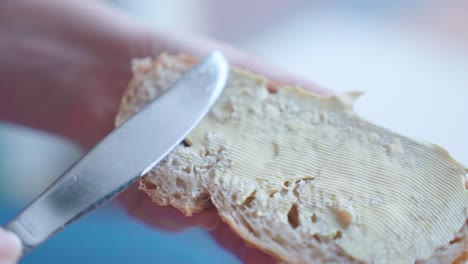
x=10 y=247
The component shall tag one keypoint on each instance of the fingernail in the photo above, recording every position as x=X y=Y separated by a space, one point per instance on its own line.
x=10 y=247
x=208 y=219
x=210 y=223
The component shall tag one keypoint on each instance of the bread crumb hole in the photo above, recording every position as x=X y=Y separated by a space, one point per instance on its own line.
x=181 y=183
x=337 y=235
x=187 y=143
x=287 y=183
x=150 y=186
x=187 y=169
x=175 y=162
x=272 y=89
x=248 y=202
x=345 y=218
x=455 y=240
x=317 y=238
x=176 y=196
x=273 y=193
x=313 y=218
x=305 y=179
x=293 y=216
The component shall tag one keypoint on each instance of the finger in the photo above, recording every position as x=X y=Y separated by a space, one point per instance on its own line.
x=159 y=41
x=253 y=256
x=10 y=247
x=140 y=206
x=208 y=219
x=227 y=239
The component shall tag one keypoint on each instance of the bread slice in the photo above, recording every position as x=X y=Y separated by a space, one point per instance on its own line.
x=304 y=178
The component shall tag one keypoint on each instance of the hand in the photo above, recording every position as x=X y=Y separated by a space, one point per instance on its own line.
x=10 y=247
x=65 y=65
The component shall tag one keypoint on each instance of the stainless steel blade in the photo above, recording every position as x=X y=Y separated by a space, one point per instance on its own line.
x=125 y=154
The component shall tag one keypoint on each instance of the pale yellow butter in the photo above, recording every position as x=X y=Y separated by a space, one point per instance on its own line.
x=382 y=196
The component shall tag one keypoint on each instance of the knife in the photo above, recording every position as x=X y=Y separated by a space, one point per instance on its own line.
x=124 y=155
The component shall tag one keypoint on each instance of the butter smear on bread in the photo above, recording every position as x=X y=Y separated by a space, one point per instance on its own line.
x=303 y=177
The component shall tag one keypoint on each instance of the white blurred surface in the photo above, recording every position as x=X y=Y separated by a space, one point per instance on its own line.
x=177 y=15
x=414 y=84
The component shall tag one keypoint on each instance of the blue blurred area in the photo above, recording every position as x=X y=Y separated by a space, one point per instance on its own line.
x=109 y=236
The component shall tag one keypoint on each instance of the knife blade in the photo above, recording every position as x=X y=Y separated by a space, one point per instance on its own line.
x=124 y=155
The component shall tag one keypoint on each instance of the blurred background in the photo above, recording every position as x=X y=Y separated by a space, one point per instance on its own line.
x=409 y=57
